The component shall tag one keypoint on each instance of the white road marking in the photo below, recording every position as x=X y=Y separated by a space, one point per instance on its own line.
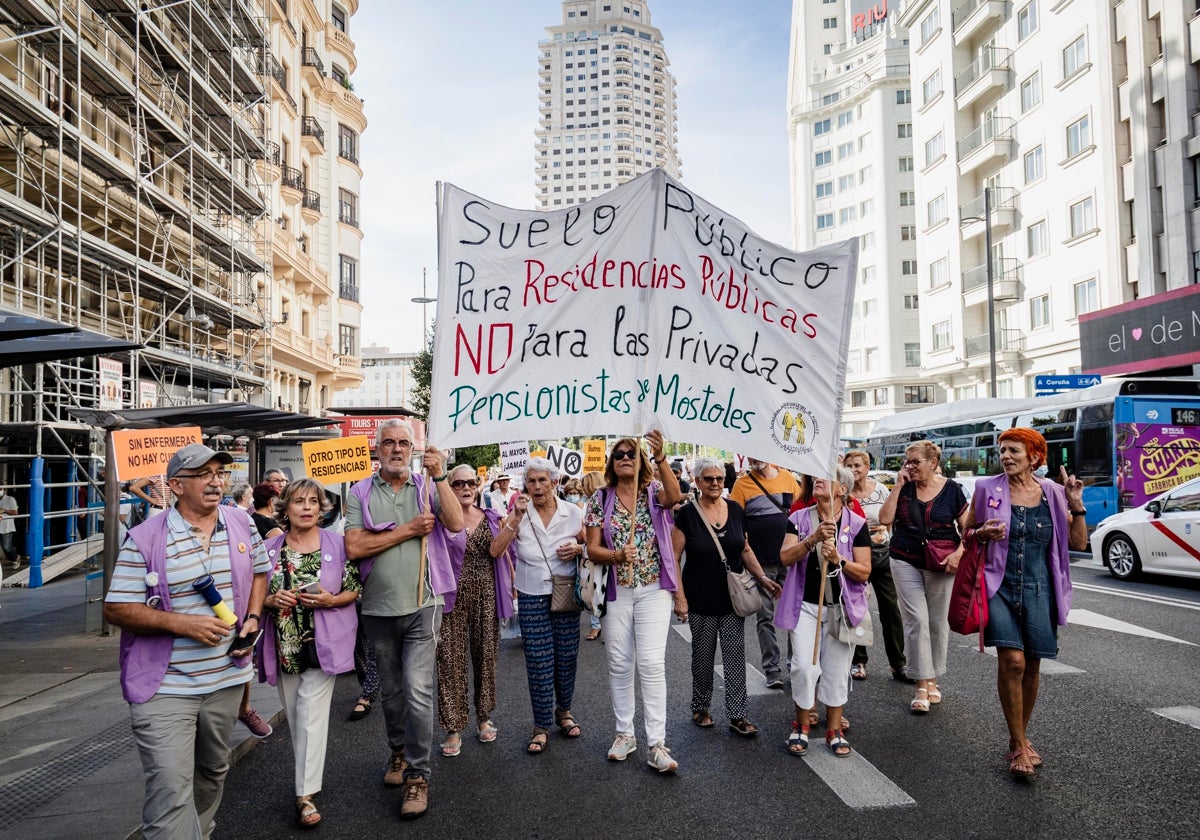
x=854 y=779
x=1087 y=618
x=1181 y=714
x=1136 y=596
x=1049 y=666
x=756 y=681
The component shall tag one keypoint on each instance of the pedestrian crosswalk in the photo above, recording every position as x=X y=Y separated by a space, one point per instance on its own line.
x=1189 y=715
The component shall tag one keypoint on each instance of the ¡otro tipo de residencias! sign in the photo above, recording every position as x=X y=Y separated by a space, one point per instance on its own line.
x=645 y=308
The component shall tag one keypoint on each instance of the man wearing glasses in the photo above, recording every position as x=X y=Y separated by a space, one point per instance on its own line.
x=182 y=666
x=405 y=569
x=277 y=479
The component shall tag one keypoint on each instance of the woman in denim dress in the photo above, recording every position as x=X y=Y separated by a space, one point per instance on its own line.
x=1030 y=526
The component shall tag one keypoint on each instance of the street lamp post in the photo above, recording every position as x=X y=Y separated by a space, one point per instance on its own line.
x=425 y=300
x=991 y=287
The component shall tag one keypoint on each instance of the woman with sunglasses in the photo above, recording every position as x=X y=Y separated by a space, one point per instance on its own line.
x=470 y=616
x=698 y=530
x=629 y=525
x=309 y=629
x=924 y=506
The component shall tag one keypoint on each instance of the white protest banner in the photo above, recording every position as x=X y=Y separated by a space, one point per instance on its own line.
x=568 y=461
x=645 y=308
x=514 y=456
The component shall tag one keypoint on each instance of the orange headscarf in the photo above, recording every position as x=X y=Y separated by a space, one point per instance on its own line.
x=1035 y=444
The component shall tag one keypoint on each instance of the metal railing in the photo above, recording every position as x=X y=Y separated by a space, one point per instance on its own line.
x=348 y=216
x=292 y=177
x=963 y=11
x=1007 y=341
x=309 y=127
x=821 y=100
x=309 y=57
x=1006 y=268
x=996 y=128
x=348 y=291
x=1003 y=198
x=990 y=58
x=347 y=149
x=311 y=201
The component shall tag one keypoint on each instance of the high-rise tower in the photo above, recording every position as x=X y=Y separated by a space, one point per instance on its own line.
x=607 y=102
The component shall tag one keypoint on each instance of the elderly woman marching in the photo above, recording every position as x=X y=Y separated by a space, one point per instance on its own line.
x=471 y=613
x=547 y=533
x=309 y=629
x=1030 y=526
x=629 y=525
x=827 y=552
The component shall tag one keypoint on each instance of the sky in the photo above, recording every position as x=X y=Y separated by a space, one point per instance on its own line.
x=450 y=93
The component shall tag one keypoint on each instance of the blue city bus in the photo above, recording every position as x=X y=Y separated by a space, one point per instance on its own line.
x=1127 y=439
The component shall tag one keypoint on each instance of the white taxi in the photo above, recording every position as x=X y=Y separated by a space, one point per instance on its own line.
x=1160 y=536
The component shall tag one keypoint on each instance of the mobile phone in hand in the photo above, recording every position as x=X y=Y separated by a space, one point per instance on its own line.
x=313 y=588
x=242 y=645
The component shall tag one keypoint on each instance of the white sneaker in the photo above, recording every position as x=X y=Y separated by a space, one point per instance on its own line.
x=622 y=747
x=660 y=759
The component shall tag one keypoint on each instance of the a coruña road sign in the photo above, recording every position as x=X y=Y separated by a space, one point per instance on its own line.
x=1056 y=384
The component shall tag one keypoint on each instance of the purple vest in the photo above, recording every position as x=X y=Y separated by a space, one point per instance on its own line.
x=664 y=523
x=441 y=575
x=993 y=500
x=854 y=593
x=502 y=566
x=334 y=628
x=145 y=658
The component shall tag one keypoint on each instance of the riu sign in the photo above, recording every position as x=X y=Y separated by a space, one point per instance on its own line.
x=876 y=13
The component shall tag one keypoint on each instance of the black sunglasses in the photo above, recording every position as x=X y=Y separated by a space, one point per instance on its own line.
x=624 y=454
x=713 y=479
x=464 y=482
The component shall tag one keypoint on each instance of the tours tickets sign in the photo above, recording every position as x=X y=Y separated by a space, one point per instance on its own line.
x=645 y=308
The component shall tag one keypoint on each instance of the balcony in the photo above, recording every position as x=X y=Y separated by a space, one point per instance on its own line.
x=986 y=74
x=991 y=140
x=268 y=66
x=1010 y=344
x=312 y=135
x=292 y=184
x=268 y=165
x=972 y=17
x=310 y=206
x=348 y=217
x=1006 y=282
x=348 y=291
x=309 y=58
x=1004 y=213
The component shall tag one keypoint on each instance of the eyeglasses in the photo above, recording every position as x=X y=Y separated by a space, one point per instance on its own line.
x=208 y=476
x=278 y=480
x=713 y=479
x=912 y=462
x=624 y=454
x=464 y=482
x=387 y=443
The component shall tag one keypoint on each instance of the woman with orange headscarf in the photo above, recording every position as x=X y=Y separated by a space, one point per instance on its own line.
x=1029 y=525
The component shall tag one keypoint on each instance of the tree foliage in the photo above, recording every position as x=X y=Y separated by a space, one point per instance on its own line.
x=485 y=455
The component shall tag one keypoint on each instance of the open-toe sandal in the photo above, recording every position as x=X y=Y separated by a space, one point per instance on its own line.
x=797 y=742
x=538 y=741
x=935 y=695
x=1020 y=762
x=920 y=703
x=837 y=743
x=452 y=746
x=307 y=815
x=702 y=719
x=488 y=732
x=567 y=725
x=743 y=727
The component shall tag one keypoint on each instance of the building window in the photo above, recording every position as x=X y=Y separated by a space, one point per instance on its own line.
x=908 y=233
x=338 y=17
x=941 y=336
x=939 y=273
x=930 y=89
x=881 y=396
x=846 y=215
x=1079 y=136
x=1035 y=164
x=903 y=96
x=907 y=198
x=845 y=150
x=903 y=130
x=822 y=127
x=867 y=240
x=912 y=302
x=1031 y=92
x=829 y=23
x=348 y=283
x=912 y=355
x=347 y=143
x=1087 y=297
x=858 y=399
x=347 y=340
x=935 y=211
x=868 y=275
x=347 y=207
x=1037 y=238
x=824 y=189
x=1027 y=20
x=1039 y=312
x=930 y=25
x=866 y=208
x=1074 y=56
x=918 y=394
x=823 y=158
x=824 y=221
x=905 y=163
x=935 y=148
x=845 y=182
x=872 y=356
x=908 y=268
x=867 y=309
x=845 y=118
x=1083 y=217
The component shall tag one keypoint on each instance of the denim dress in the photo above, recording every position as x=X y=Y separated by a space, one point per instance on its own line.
x=1021 y=613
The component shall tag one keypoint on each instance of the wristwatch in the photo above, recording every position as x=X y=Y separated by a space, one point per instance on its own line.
x=1080 y=512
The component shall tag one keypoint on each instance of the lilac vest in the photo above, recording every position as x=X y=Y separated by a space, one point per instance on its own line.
x=145 y=658
x=333 y=628
x=502 y=566
x=993 y=500
x=664 y=523
x=441 y=575
x=854 y=593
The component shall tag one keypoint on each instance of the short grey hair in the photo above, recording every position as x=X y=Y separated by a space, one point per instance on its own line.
x=843 y=476
x=459 y=468
x=543 y=465
x=390 y=423
x=706 y=463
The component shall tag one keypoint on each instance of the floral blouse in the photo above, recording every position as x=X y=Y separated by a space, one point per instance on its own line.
x=294 y=625
x=645 y=569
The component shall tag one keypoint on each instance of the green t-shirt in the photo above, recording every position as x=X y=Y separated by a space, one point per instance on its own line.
x=391 y=588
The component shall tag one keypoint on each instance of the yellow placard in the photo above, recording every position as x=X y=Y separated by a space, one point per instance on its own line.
x=337 y=459
x=481 y=472
x=538 y=453
x=145 y=453
x=594 y=455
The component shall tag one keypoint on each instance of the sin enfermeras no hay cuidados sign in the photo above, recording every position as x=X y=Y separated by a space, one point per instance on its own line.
x=644 y=308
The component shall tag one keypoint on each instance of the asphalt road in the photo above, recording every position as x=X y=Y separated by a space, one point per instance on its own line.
x=1118 y=724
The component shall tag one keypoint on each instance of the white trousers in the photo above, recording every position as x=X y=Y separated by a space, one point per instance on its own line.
x=635 y=630
x=829 y=680
x=306 y=698
x=924 y=599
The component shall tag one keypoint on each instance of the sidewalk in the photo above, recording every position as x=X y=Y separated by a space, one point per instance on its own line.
x=68 y=765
